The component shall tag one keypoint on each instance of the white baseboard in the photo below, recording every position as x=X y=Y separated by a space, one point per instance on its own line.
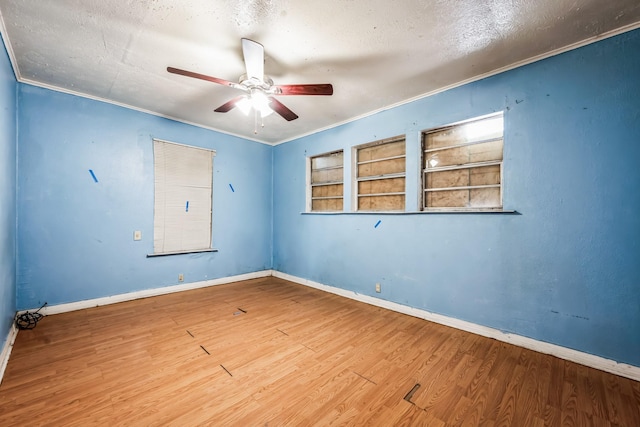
x=6 y=349
x=586 y=359
x=597 y=362
x=96 y=302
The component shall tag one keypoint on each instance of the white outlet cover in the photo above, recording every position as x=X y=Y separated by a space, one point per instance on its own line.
x=137 y=235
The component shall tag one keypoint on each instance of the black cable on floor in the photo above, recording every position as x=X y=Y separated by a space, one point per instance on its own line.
x=29 y=320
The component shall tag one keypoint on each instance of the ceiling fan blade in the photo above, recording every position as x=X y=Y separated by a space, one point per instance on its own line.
x=282 y=109
x=253 y=59
x=202 y=77
x=318 y=89
x=228 y=106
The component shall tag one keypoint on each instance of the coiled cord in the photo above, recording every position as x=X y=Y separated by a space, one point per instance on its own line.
x=29 y=320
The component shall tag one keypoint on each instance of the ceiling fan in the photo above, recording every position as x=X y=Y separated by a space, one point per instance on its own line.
x=258 y=87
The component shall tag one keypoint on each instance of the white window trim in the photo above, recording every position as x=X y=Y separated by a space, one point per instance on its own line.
x=309 y=186
x=355 y=179
x=423 y=171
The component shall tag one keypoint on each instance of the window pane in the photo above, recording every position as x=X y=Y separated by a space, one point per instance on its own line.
x=479 y=130
x=486 y=175
x=483 y=175
x=326 y=205
x=446 y=179
x=381 y=203
x=327 y=190
x=381 y=151
x=474 y=198
x=382 y=168
x=392 y=185
x=484 y=198
x=484 y=152
x=447 y=199
x=326 y=175
x=327 y=161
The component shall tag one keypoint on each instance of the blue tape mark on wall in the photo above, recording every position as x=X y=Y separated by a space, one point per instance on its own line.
x=231 y=187
x=187 y=207
x=377 y=223
x=93 y=175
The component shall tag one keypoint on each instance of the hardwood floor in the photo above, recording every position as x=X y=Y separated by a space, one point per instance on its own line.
x=267 y=352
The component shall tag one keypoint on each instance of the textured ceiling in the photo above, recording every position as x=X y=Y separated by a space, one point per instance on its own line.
x=376 y=53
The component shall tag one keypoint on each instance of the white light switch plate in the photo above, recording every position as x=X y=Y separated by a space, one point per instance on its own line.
x=137 y=235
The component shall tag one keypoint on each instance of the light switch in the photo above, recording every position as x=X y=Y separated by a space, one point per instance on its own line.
x=137 y=235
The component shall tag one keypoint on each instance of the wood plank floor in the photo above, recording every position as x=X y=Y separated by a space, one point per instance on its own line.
x=267 y=352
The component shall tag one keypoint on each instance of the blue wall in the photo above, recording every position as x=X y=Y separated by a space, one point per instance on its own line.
x=75 y=236
x=8 y=108
x=565 y=271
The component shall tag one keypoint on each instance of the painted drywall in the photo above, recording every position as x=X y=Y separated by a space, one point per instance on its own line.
x=75 y=235
x=8 y=131
x=565 y=270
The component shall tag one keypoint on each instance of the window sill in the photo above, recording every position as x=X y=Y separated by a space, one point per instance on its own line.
x=431 y=212
x=182 y=252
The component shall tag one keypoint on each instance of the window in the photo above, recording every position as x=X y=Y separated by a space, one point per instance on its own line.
x=183 y=198
x=462 y=166
x=380 y=175
x=326 y=182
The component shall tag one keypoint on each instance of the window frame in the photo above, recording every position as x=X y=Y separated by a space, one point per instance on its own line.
x=309 y=185
x=469 y=165
x=355 y=179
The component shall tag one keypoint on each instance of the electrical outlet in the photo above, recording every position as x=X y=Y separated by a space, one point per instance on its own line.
x=137 y=235
x=378 y=288
x=180 y=277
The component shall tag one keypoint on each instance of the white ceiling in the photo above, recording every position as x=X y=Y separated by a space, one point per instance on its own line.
x=376 y=53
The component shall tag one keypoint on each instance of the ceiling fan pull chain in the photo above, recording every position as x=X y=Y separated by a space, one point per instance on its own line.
x=255 y=121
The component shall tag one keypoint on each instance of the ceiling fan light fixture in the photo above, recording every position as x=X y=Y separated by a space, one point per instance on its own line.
x=244 y=105
x=256 y=101
x=261 y=103
x=258 y=87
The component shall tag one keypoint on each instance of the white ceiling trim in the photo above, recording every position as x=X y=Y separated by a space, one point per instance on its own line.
x=19 y=78
x=131 y=107
x=590 y=40
x=497 y=71
x=9 y=48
